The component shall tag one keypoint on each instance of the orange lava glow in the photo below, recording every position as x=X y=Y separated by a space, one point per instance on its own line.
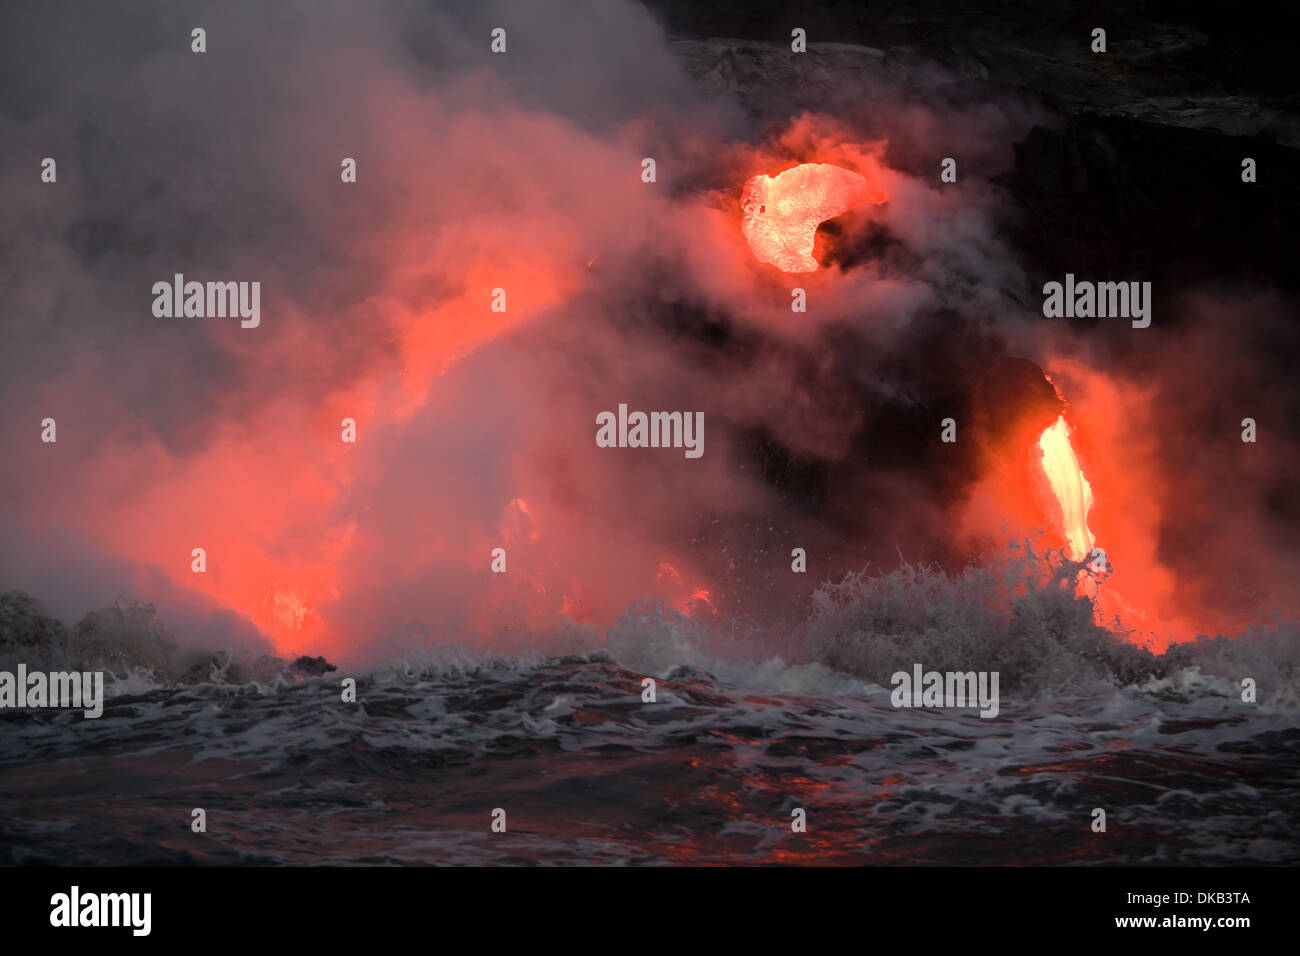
x=1091 y=479
x=780 y=214
x=691 y=601
x=1070 y=487
x=1114 y=422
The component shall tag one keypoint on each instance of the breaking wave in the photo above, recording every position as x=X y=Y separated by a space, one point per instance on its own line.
x=1021 y=613
x=706 y=772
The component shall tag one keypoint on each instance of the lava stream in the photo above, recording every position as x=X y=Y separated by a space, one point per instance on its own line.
x=1070 y=487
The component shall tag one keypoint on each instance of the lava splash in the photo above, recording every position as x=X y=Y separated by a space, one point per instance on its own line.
x=781 y=213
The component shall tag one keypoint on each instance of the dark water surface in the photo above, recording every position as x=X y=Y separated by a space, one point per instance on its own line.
x=588 y=773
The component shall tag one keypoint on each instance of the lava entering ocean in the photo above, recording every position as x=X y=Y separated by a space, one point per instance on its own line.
x=324 y=537
x=1069 y=485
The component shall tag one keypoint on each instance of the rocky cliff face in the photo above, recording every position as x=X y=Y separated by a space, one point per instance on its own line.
x=1122 y=166
x=1129 y=161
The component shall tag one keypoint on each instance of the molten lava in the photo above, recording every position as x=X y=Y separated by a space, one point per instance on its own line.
x=781 y=213
x=1070 y=487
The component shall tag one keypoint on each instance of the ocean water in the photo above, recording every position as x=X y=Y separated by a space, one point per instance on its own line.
x=587 y=772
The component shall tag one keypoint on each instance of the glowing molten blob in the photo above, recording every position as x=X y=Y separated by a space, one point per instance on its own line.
x=780 y=214
x=1069 y=486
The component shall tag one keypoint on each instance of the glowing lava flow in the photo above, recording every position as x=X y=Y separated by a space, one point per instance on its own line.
x=1070 y=487
x=781 y=213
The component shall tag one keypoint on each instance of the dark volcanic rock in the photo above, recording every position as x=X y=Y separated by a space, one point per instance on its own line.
x=313 y=666
x=1212 y=67
x=1123 y=199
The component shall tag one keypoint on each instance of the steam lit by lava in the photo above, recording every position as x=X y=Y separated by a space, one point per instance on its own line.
x=781 y=213
x=1070 y=487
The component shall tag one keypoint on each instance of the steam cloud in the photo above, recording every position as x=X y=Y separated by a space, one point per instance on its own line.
x=522 y=171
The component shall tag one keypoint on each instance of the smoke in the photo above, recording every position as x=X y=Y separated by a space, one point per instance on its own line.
x=519 y=171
